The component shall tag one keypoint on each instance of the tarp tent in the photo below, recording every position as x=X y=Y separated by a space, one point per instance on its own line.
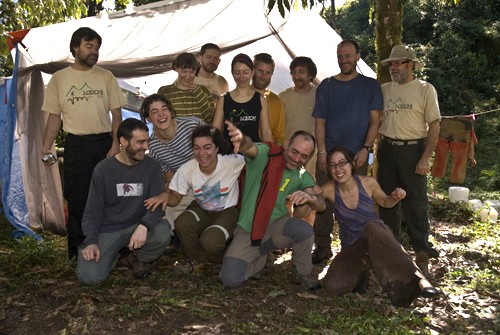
x=138 y=47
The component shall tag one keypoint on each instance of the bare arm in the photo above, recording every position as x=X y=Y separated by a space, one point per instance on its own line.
x=218 y=121
x=242 y=143
x=51 y=130
x=319 y=131
x=422 y=167
x=116 y=119
x=387 y=201
x=265 y=125
x=305 y=201
x=362 y=155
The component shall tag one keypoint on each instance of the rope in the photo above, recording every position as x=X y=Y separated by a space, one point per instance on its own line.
x=473 y=114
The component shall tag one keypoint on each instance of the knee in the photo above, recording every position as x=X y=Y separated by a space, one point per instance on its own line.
x=186 y=222
x=298 y=230
x=89 y=276
x=233 y=271
x=162 y=233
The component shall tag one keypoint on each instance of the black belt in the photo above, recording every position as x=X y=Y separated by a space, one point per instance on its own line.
x=93 y=136
x=392 y=141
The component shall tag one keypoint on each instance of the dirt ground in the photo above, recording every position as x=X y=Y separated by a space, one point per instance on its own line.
x=166 y=303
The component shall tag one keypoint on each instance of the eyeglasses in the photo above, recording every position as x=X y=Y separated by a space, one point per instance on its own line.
x=340 y=164
x=398 y=62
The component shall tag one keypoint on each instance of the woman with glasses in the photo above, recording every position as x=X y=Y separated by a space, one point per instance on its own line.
x=366 y=241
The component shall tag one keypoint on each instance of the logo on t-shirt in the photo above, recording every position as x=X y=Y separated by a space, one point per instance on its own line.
x=129 y=190
x=85 y=93
x=212 y=198
x=396 y=106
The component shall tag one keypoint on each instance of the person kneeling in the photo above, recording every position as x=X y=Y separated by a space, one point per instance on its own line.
x=366 y=241
x=115 y=216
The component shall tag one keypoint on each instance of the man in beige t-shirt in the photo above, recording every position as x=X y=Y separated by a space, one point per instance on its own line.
x=209 y=59
x=82 y=95
x=299 y=102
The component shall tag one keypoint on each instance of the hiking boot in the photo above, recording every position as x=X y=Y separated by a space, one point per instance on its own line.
x=321 y=253
x=427 y=290
x=309 y=281
x=422 y=261
x=140 y=269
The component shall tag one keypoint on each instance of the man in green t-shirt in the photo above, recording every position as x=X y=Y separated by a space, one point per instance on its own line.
x=264 y=223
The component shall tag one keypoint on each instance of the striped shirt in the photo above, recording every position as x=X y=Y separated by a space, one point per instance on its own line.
x=197 y=102
x=352 y=221
x=177 y=151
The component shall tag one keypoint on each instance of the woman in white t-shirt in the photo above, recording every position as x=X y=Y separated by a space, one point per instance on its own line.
x=207 y=225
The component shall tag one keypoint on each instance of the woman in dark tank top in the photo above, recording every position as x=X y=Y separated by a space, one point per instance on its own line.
x=244 y=107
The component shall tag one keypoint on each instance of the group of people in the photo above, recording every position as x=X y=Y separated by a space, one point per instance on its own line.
x=233 y=175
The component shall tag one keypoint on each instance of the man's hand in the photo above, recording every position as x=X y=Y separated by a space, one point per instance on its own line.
x=322 y=161
x=235 y=134
x=160 y=199
x=91 y=252
x=423 y=167
x=299 y=198
x=398 y=194
x=115 y=148
x=361 y=157
x=138 y=238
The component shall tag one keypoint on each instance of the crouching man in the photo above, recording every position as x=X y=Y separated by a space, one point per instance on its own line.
x=274 y=175
x=115 y=216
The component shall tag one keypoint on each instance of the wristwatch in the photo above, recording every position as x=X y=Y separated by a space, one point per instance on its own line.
x=368 y=148
x=49 y=158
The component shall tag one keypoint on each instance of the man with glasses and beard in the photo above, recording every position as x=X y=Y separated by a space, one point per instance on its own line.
x=347 y=112
x=83 y=96
x=408 y=135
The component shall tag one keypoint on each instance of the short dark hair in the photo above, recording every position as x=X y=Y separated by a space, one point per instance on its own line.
x=212 y=132
x=263 y=58
x=242 y=58
x=83 y=33
x=349 y=156
x=144 y=110
x=185 y=60
x=306 y=62
x=306 y=134
x=128 y=126
x=352 y=42
x=208 y=46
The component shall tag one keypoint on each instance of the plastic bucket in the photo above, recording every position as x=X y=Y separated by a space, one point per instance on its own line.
x=456 y=193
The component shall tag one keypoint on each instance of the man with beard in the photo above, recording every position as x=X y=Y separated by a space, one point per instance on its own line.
x=83 y=95
x=264 y=65
x=409 y=133
x=209 y=59
x=299 y=101
x=115 y=217
x=347 y=113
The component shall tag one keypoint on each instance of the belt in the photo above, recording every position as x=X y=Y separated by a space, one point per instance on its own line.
x=93 y=136
x=394 y=142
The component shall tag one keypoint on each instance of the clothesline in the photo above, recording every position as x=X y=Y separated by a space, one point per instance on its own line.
x=473 y=114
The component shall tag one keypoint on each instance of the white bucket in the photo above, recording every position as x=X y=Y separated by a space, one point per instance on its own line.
x=476 y=204
x=493 y=203
x=456 y=193
x=488 y=214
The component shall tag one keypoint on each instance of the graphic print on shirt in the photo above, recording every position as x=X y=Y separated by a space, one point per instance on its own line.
x=396 y=106
x=129 y=190
x=212 y=198
x=241 y=117
x=85 y=93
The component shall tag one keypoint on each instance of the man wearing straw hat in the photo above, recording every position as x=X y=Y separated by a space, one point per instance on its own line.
x=409 y=133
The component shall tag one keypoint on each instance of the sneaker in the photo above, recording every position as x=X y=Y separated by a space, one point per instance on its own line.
x=140 y=269
x=309 y=281
x=321 y=253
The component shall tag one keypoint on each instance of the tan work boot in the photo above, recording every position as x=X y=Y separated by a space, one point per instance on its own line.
x=422 y=261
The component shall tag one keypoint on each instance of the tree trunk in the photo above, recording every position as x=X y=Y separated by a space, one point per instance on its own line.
x=388 y=32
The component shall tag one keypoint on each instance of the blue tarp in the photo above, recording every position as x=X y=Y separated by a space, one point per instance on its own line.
x=13 y=195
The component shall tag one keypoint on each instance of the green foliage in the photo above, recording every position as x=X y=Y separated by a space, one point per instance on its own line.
x=456 y=212
x=24 y=14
